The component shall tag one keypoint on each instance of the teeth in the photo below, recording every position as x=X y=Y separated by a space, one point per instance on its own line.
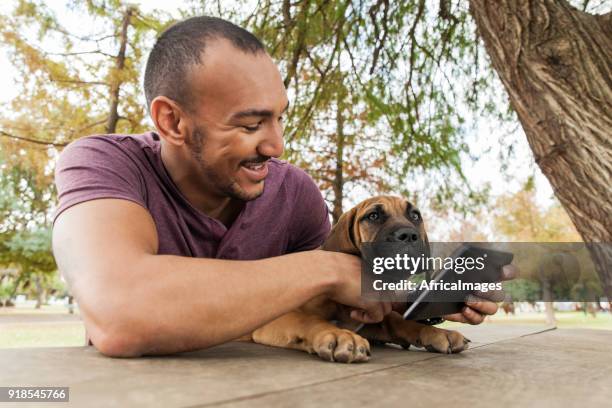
x=254 y=166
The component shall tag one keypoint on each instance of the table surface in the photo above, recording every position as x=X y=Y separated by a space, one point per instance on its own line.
x=506 y=366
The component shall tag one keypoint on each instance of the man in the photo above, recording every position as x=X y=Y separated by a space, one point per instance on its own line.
x=196 y=234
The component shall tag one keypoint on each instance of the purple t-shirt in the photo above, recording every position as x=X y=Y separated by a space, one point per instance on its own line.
x=289 y=216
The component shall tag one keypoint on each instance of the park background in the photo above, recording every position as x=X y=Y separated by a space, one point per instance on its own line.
x=385 y=98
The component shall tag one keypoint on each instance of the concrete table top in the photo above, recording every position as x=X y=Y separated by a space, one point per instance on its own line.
x=507 y=366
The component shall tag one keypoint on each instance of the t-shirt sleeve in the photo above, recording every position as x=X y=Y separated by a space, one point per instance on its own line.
x=310 y=216
x=96 y=167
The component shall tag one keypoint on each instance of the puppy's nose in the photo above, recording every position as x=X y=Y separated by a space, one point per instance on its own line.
x=406 y=234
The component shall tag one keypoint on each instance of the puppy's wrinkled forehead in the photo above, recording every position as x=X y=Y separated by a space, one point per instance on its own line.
x=380 y=217
x=389 y=206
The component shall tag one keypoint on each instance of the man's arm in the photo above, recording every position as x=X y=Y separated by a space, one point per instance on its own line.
x=136 y=302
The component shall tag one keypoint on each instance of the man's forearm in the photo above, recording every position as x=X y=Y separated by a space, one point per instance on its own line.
x=169 y=304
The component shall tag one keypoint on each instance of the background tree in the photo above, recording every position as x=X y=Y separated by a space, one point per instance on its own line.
x=30 y=254
x=555 y=63
x=565 y=274
x=25 y=238
x=374 y=87
x=101 y=67
x=520 y=218
x=72 y=83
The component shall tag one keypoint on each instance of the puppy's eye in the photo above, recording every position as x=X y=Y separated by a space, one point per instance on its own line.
x=373 y=216
x=415 y=216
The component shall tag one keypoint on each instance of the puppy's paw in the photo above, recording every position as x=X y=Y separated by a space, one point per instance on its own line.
x=442 y=341
x=341 y=345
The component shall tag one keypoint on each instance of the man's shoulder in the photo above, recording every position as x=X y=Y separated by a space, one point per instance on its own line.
x=110 y=142
x=102 y=166
x=113 y=150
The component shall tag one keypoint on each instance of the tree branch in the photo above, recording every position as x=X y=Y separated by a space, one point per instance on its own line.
x=30 y=140
x=89 y=126
x=84 y=39
x=71 y=54
x=585 y=4
x=301 y=36
x=381 y=42
x=75 y=81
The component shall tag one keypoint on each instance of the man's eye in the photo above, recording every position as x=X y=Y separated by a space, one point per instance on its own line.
x=415 y=216
x=253 y=128
x=373 y=216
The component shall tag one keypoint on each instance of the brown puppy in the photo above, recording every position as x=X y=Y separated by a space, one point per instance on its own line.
x=309 y=328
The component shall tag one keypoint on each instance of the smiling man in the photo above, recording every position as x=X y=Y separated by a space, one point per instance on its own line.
x=196 y=234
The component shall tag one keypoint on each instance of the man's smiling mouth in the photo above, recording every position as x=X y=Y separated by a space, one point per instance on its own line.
x=254 y=166
x=255 y=171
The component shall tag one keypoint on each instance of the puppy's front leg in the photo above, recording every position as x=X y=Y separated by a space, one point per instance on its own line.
x=394 y=329
x=311 y=333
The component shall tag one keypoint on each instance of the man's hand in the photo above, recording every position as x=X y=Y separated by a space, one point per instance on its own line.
x=483 y=304
x=347 y=289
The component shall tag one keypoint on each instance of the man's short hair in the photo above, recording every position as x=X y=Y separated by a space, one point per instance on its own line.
x=180 y=47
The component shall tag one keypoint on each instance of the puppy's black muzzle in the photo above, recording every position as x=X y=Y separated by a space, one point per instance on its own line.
x=407 y=235
x=401 y=240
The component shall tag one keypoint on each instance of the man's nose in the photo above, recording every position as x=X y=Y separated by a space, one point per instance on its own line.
x=273 y=143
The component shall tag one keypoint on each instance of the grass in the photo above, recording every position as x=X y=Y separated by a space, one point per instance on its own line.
x=42 y=335
x=17 y=330
x=565 y=320
x=50 y=326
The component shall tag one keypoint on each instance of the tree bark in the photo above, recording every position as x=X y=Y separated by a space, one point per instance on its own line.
x=113 y=117
x=70 y=304
x=39 y=291
x=338 y=183
x=556 y=65
x=548 y=297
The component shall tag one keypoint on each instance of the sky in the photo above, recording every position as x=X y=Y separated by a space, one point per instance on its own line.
x=484 y=142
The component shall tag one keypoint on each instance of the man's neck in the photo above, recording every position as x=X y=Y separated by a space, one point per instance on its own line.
x=222 y=208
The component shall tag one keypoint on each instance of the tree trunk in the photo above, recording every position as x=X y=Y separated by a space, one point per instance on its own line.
x=13 y=294
x=549 y=309
x=39 y=291
x=71 y=304
x=338 y=183
x=555 y=63
x=113 y=117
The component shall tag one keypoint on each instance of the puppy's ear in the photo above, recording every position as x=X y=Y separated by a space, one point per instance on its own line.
x=342 y=237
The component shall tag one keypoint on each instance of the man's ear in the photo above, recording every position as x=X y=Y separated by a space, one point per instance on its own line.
x=342 y=237
x=170 y=120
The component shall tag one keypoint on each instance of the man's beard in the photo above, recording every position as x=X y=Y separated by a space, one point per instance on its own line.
x=227 y=186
